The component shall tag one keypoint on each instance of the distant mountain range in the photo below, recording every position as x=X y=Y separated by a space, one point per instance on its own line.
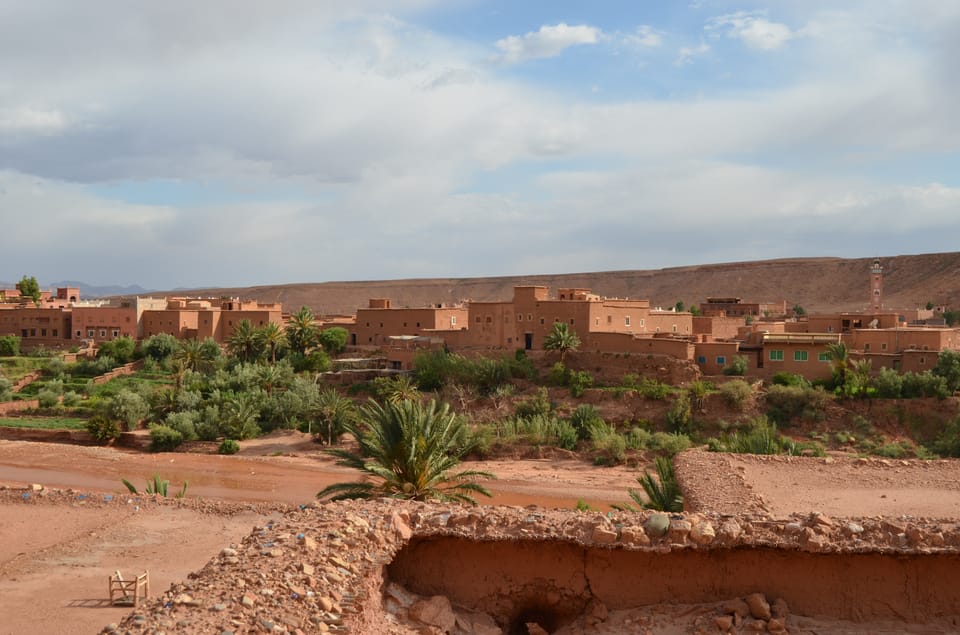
x=87 y=290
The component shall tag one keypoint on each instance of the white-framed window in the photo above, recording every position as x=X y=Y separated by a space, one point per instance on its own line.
x=519 y=317
x=79 y=333
x=116 y=332
x=701 y=359
x=721 y=360
x=800 y=356
x=823 y=357
x=642 y=322
x=776 y=356
x=626 y=321
x=103 y=332
x=91 y=332
x=453 y=320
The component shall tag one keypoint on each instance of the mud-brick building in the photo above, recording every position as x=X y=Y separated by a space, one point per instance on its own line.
x=380 y=320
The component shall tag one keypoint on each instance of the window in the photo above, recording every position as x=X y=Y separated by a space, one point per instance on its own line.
x=701 y=359
x=116 y=332
x=641 y=322
x=56 y=333
x=799 y=356
x=530 y=317
x=43 y=332
x=103 y=332
x=90 y=332
x=571 y=320
x=368 y=325
x=541 y=320
x=596 y=322
x=830 y=329
x=776 y=356
x=626 y=321
x=823 y=357
x=609 y=319
x=418 y=325
x=404 y=325
x=33 y=332
x=866 y=346
x=883 y=346
x=519 y=317
x=79 y=333
x=489 y=320
x=477 y=319
x=674 y=328
x=23 y=332
x=453 y=320
x=721 y=360
x=923 y=360
x=381 y=324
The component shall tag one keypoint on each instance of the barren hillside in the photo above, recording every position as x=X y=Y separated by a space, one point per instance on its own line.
x=818 y=284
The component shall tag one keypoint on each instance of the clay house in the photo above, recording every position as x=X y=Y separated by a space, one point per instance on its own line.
x=381 y=320
x=735 y=307
x=36 y=326
x=191 y=318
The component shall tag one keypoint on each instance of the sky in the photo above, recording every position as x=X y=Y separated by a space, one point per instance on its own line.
x=241 y=142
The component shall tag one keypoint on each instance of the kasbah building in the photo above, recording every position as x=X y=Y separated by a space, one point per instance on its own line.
x=765 y=334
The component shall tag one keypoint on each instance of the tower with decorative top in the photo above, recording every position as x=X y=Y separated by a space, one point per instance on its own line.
x=876 y=285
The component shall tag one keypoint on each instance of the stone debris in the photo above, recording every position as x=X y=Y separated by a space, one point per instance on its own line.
x=322 y=568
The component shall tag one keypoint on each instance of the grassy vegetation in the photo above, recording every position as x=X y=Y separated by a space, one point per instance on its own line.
x=16 y=368
x=44 y=423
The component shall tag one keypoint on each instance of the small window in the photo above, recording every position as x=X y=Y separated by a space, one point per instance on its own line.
x=453 y=320
x=56 y=333
x=79 y=333
x=91 y=332
x=641 y=322
x=596 y=322
x=721 y=360
x=799 y=356
x=43 y=332
x=701 y=359
x=489 y=320
x=541 y=320
x=519 y=317
x=883 y=346
x=381 y=324
x=823 y=357
x=368 y=325
x=923 y=360
x=626 y=321
x=404 y=325
x=33 y=332
x=103 y=332
x=23 y=332
x=418 y=325
x=674 y=328
x=609 y=319
x=571 y=320
x=477 y=319
x=776 y=356
x=116 y=332
x=530 y=318
x=830 y=329
x=866 y=346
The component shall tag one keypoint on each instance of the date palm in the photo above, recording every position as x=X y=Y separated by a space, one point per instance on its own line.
x=407 y=451
x=271 y=339
x=561 y=339
x=301 y=331
x=839 y=356
x=243 y=342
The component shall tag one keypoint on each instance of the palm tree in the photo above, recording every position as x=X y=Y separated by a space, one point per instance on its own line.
x=272 y=339
x=302 y=332
x=196 y=355
x=840 y=361
x=562 y=339
x=411 y=448
x=402 y=388
x=243 y=343
x=662 y=493
x=333 y=412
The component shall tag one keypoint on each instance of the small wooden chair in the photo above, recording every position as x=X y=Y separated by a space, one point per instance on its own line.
x=128 y=592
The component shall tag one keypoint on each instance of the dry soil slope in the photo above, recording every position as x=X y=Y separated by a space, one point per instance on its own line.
x=820 y=284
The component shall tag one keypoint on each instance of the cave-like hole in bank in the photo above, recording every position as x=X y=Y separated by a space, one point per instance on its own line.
x=551 y=583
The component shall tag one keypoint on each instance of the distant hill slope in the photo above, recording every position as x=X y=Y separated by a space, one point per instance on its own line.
x=818 y=284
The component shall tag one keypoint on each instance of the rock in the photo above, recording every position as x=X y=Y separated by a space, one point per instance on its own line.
x=435 y=611
x=759 y=607
x=657 y=525
x=779 y=609
x=702 y=533
x=634 y=537
x=793 y=528
x=723 y=622
x=852 y=529
x=736 y=607
x=603 y=535
x=306 y=569
x=597 y=611
x=400 y=527
x=248 y=600
x=400 y=594
x=228 y=552
x=730 y=531
x=535 y=629
x=309 y=543
x=37 y=487
x=477 y=624
x=325 y=603
x=679 y=530
x=775 y=625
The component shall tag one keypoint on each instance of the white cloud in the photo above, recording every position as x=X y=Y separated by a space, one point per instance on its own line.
x=688 y=53
x=754 y=29
x=644 y=36
x=549 y=41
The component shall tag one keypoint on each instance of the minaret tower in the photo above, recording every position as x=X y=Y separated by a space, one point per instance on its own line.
x=876 y=285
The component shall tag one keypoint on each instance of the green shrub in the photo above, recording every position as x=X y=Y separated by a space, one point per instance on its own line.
x=638 y=438
x=48 y=398
x=670 y=443
x=164 y=438
x=679 y=417
x=762 y=438
x=102 y=429
x=54 y=367
x=229 y=446
x=161 y=346
x=784 y=378
x=121 y=349
x=185 y=423
x=653 y=389
x=785 y=403
x=6 y=389
x=128 y=407
x=584 y=419
x=559 y=374
x=610 y=445
x=71 y=399
x=924 y=384
x=947 y=442
x=888 y=383
x=737 y=366
x=579 y=382
x=9 y=346
x=736 y=393
x=537 y=405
